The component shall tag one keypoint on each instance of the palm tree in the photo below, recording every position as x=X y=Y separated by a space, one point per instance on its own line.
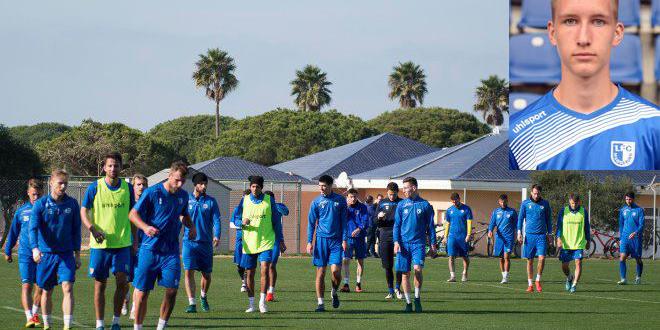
x=311 y=89
x=215 y=73
x=493 y=100
x=408 y=84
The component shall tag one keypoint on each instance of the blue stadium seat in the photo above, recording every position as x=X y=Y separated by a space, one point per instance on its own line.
x=629 y=12
x=655 y=13
x=626 y=61
x=532 y=59
x=534 y=14
x=519 y=101
x=657 y=58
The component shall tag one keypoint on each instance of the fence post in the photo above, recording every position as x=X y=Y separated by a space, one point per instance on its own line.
x=298 y=215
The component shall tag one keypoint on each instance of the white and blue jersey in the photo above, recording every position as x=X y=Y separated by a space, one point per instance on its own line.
x=506 y=221
x=357 y=217
x=624 y=135
x=537 y=217
x=413 y=222
x=457 y=217
x=327 y=217
x=631 y=220
x=19 y=231
x=55 y=226
x=205 y=214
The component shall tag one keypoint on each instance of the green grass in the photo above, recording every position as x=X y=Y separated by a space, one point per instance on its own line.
x=482 y=302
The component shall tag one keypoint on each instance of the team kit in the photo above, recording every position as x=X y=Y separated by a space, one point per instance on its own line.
x=134 y=236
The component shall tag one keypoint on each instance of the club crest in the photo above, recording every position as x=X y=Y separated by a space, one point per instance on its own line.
x=622 y=153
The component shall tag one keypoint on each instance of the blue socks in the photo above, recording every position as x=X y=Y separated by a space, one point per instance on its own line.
x=640 y=267
x=391 y=290
x=622 y=269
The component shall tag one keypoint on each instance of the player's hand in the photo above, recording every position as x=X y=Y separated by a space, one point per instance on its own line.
x=444 y=239
x=397 y=248
x=355 y=232
x=468 y=238
x=632 y=235
x=78 y=263
x=151 y=231
x=381 y=214
x=309 y=248
x=588 y=245
x=558 y=243
x=192 y=232
x=344 y=245
x=520 y=238
x=8 y=258
x=282 y=247
x=490 y=234
x=99 y=236
x=246 y=222
x=433 y=251
x=36 y=255
x=216 y=241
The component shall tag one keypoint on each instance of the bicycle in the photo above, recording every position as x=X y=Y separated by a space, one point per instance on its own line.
x=610 y=244
x=478 y=236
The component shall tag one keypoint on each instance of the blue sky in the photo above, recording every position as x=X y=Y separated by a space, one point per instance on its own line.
x=131 y=61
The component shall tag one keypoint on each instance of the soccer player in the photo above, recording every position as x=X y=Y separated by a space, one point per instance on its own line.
x=371 y=232
x=260 y=232
x=198 y=251
x=27 y=268
x=505 y=219
x=282 y=210
x=357 y=226
x=631 y=227
x=458 y=225
x=327 y=219
x=573 y=236
x=535 y=213
x=164 y=207
x=238 y=244
x=413 y=221
x=586 y=122
x=385 y=222
x=104 y=212
x=55 y=241
x=140 y=183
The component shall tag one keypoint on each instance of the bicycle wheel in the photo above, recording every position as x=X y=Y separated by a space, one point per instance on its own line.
x=613 y=249
x=592 y=248
x=489 y=247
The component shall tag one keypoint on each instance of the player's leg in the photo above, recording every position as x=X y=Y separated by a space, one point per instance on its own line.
x=146 y=272
x=189 y=283
x=539 y=271
x=170 y=272
x=68 y=303
x=622 y=266
x=140 y=298
x=358 y=277
x=121 y=263
x=506 y=264
x=565 y=258
x=418 y=254
x=272 y=277
x=265 y=281
x=99 y=269
x=47 y=306
x=335 y=280
x=403 y=265
x=530 y=272
x=26 y=302
x=205 y=284
x=36 y=303
x=166 y=307
x=346 y=264
x=360 y=253
x=578 y=271
x=466 y=267
x=638 y=259
x=452 y=271
x=99 y=300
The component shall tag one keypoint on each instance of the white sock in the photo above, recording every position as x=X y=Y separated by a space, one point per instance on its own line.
x=251 y=301
x=407 y=296
x=333 y=291
x=100 y=323
x=191 y=300
x=243 y=282
x=35 y=309
x=68 y=319
x=132 y=307
x=319 y=301
x=452 y=274
x=346 y=279
x=115 y=320
x=28 y=314
x=271 y=289
x=416 y=292
x=262 y=298
x=505 y=274
x=137 y=326
x=202 y=294
x=359 y=278
x=161 y=324
x=45 y=319
x=529 y=281
x=538 y=277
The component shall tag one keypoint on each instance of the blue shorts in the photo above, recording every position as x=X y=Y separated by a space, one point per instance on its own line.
x=198 y=256
x=151 y=266
x=410 y=254
x=238 y=251
x=535 y=246
x=27 y=268
x=55 y=268
x=631 y=247
x=503 y=245
x=276 y=253
x=327 y=251
x=356 y=247
x=569 y=255
x=104 y=261
x=456 y=246
x=249 y=261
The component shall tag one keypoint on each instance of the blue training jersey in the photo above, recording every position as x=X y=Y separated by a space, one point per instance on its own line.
x=413 y=222
x=457 y=218
x=19 y=231
x=536 y=215
x=631 y=219
x=237 y=216
x=55 y=226
x=205 y=214
x=506 y=220
x=624 y=135
x=330 y=213
x=357 y=217
x=161 y=209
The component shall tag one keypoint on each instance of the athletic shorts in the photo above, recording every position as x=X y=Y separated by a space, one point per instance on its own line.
x=276 y=253
x=569 y=255
x=386 y=253
x=503 y=245
x=152 y=266
x=535 y=246
x=27 y=268
x=456 y=246
x=327 y=251
x=55 y=268
x=410 y=254
x=631 y=247
x=356 y=248
x=238 y=250
x=249 y=261
x=102 y=262
x=197 y=256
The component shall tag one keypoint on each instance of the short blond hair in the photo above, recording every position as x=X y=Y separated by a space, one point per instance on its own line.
x=36 y=184
x=615 y=8
x=139 y=176
x=179 y=166
x=58 y=172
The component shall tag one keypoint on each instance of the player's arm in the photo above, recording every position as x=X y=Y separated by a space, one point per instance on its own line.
x=491 y=224
x=396 y=230
x=560 y=223
x=521 y=218
x=35 y=223
x=312 y=216
x=548 y=220
x=430 y=215
x=469 y=224
x=133 y=227
x=187 y=221
x=446 y=225
x=76 y=233
x=587 y=229
x=621 y=223
x=143 y=205
x=85 y=213
x=217 y=230
x=513 y=164
x=640 y=222
x=12 y=237
x=343 y=222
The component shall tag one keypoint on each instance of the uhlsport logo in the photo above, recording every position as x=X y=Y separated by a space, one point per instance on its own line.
x=528 y=121
x=622 y=153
